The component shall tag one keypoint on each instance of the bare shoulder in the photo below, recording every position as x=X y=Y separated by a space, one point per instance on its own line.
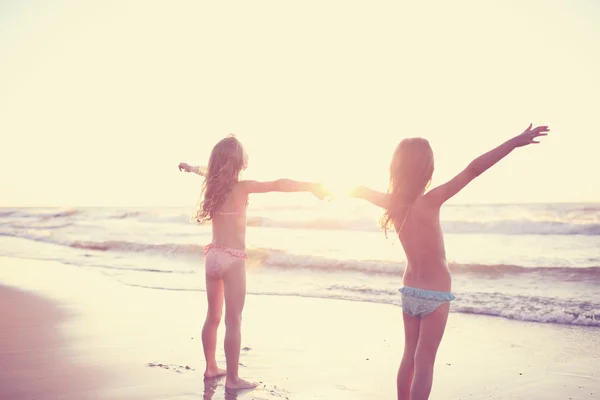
x=426 y=208
x=242 y=186
x=250 y=186
x=240 y=191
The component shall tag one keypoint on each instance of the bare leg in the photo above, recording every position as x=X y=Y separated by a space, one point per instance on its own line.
x=235 y=296
x=407 y=365
x=430 y=335
x=214 y=294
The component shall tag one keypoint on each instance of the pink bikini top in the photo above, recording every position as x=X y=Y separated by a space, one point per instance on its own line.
x=230 y=213
x=233 y=212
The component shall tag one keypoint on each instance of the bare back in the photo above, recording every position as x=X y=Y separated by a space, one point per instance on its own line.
x=229 y=222
x=423 y=242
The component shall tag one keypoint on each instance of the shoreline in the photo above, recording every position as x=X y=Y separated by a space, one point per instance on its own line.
x=300 y=348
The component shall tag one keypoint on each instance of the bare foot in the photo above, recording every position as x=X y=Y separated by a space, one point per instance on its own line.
x=214 y=372
x=239 y=384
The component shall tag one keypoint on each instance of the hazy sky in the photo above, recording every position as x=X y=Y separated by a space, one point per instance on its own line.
x=100 y=100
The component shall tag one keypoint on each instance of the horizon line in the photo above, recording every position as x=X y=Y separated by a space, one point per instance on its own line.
x=191 y=206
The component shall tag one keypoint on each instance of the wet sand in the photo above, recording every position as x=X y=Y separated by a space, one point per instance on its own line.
x=69 y=333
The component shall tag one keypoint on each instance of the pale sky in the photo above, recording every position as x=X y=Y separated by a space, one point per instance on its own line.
x=100 y=100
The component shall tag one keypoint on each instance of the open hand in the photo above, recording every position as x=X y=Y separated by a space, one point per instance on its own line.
x=529 y=135
x=356 y=191
x=184 y=167
x=321 y=192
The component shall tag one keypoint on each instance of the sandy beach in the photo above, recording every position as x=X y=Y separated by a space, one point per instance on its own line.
x=68 y=333
x=301 y=127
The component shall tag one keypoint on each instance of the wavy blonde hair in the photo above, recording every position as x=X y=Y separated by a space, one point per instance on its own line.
x=411 y=170
x=227 y=160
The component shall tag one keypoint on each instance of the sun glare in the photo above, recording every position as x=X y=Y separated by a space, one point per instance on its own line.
x=340 y=188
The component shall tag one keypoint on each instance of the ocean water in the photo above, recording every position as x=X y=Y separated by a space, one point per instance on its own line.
x=531 y=262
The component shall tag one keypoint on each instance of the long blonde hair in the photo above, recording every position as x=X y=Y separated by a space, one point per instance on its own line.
x=227 y=160
x=411 y=170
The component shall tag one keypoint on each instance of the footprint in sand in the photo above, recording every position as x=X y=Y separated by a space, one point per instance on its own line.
x=172 y=367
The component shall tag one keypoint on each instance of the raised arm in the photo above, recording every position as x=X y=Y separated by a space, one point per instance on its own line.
x=200 y=170
x=284 y=185
x=372 y=196
x=442 y=193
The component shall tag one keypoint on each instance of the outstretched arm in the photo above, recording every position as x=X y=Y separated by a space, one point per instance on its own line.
x=372 y=196
x=284 y=185
x=442 y=193
x=200 y=170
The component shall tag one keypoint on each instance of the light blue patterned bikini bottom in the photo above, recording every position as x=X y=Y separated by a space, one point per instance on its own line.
x=420 y=303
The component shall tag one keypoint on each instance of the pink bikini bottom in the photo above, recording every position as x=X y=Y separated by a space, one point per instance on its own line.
x=219 y=258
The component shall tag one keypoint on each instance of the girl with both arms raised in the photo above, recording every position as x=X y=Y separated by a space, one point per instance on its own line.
x=225 y=198
x=415 y=215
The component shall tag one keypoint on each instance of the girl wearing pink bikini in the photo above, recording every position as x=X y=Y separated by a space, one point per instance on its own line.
x=224 y=202
x=415 y=215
